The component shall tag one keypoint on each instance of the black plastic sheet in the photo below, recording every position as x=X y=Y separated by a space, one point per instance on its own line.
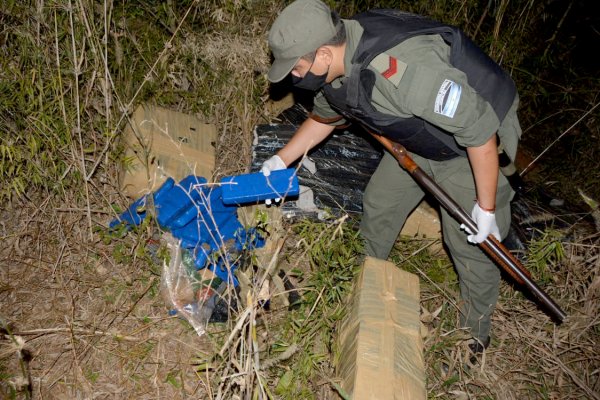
x=337 y=171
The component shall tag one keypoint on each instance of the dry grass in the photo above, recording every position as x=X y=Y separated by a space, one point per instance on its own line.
x=530 y=357
x=94 y=327
x=84 y=319
x=82 y=316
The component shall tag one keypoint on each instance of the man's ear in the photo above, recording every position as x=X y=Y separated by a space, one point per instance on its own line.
x=325 y=54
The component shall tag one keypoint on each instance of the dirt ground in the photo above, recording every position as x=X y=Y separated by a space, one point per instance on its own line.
x=87 y=325
x=85 y=319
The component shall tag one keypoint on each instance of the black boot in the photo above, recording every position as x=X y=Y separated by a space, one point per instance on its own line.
x=476 y=347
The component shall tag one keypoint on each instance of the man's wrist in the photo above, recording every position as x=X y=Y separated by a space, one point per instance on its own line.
x=486 y=209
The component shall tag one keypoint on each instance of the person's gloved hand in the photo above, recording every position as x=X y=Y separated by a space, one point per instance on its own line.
x=274 y=163
x=486 y=225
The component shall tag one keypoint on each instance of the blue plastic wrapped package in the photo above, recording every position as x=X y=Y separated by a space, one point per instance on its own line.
x=256 y=187
x=174 y=204
x=193 y=211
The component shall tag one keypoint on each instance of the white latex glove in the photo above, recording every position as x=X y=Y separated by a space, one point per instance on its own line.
x=274 y=163
x=486 y=225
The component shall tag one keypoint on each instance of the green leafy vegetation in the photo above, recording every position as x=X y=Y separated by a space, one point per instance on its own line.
x=545 y=253
x=333 y=252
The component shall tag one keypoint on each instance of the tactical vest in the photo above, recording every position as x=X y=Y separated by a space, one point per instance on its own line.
x=384 y=29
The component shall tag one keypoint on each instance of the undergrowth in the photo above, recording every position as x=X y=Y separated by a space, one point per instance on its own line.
x=333 y=251
x=71 y=74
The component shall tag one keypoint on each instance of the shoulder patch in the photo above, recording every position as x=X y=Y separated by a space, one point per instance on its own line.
x=447 y=99
x=389 y=67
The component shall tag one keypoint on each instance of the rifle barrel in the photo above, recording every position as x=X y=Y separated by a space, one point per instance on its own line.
x=496 y=250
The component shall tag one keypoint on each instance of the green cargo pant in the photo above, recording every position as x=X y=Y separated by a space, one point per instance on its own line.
x=390 y=197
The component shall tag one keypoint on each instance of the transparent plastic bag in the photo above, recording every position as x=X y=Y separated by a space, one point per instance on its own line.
x=186 y=292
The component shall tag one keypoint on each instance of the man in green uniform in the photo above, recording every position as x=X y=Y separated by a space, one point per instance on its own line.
x=428 y=87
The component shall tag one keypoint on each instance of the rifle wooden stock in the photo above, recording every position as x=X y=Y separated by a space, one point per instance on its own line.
x=496 y=250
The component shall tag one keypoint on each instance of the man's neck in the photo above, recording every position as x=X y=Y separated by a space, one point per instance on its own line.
x=337 y=67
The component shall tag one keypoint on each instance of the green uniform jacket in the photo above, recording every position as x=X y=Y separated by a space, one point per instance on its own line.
x=423 y=67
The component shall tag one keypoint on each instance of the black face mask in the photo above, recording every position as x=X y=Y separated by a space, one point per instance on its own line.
x=310 y=81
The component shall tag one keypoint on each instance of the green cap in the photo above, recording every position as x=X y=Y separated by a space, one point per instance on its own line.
x=301 y=28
